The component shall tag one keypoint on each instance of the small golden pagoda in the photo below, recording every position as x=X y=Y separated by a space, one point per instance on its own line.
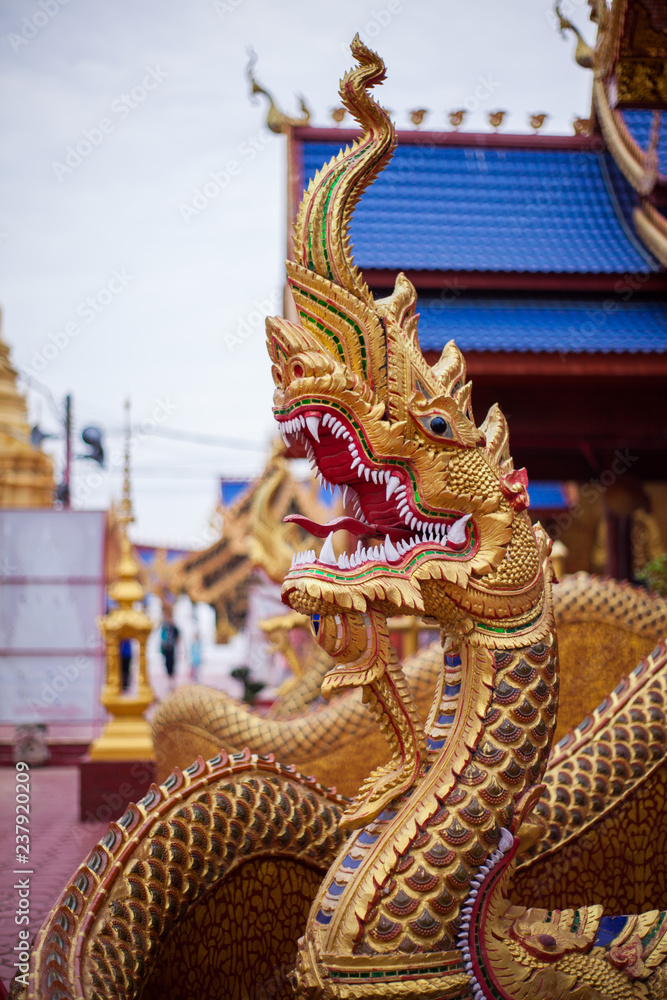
x=127 y=734
x=26 y=473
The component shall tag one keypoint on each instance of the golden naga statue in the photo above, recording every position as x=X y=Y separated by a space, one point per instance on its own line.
x=203 y=888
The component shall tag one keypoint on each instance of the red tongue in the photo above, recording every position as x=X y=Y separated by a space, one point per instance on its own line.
x=351 y=524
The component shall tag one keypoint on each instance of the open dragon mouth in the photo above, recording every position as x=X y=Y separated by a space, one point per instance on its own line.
x=379 y=498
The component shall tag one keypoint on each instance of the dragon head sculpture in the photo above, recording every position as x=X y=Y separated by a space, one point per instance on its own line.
x=432 y=498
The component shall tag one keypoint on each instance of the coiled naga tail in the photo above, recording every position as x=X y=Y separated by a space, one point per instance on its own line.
x=415 y=904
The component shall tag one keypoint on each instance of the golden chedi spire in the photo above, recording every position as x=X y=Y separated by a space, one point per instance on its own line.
x=126 y=588
x=127 y=735
x=26 y=473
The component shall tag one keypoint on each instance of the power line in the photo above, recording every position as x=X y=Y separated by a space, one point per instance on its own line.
x=194 y=437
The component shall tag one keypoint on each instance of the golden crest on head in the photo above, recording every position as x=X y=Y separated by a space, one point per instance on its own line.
x=397 y=435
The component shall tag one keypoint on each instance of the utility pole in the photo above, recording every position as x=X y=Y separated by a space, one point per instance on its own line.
x=67 y=479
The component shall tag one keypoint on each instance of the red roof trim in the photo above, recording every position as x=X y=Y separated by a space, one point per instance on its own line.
x=562 y=365
x=491 y=140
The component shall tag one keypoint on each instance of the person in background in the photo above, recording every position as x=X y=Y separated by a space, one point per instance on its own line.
x=195 y=657
x=125 y=650
x=169 y=639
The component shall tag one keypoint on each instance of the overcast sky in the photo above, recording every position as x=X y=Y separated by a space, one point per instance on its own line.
x=128 y=271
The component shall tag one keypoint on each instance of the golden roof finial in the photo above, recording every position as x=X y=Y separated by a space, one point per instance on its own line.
x=456 y=118
x=536 y=121
x=276 y=121
x=583 y=54
x=496 y=119
x=582 y=126
x=417 y=116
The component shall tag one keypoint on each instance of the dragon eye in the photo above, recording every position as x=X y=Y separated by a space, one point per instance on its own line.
x=440 y=427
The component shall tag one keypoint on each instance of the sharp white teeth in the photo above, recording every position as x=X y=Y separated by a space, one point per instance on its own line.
x=415 y=541
x=346 y=434
x=346 y=560
x=355 y=462
x=457 y=533
x=374 y=474
x=360 y=469
x=363 y=555
x=345 y=492
x=403 y=508
x=413 y=523
x=400 y=493
x=302 y=421
x=393 y=482
x=352 y=448
x=341 y=561
x=285 y=436
x=313 y=425
x=339 y=430
x=431 y=533
x=327 y=554
x=367 y=473
x=293 y=561
x=391 y=552
x=381 y=475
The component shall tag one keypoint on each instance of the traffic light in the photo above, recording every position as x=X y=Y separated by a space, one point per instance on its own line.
x=92 y=436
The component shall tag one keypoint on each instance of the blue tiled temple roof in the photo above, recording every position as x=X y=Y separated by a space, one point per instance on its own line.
x=512 y=323
x=547 y=495
x=639 y=123
x=494 y=209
